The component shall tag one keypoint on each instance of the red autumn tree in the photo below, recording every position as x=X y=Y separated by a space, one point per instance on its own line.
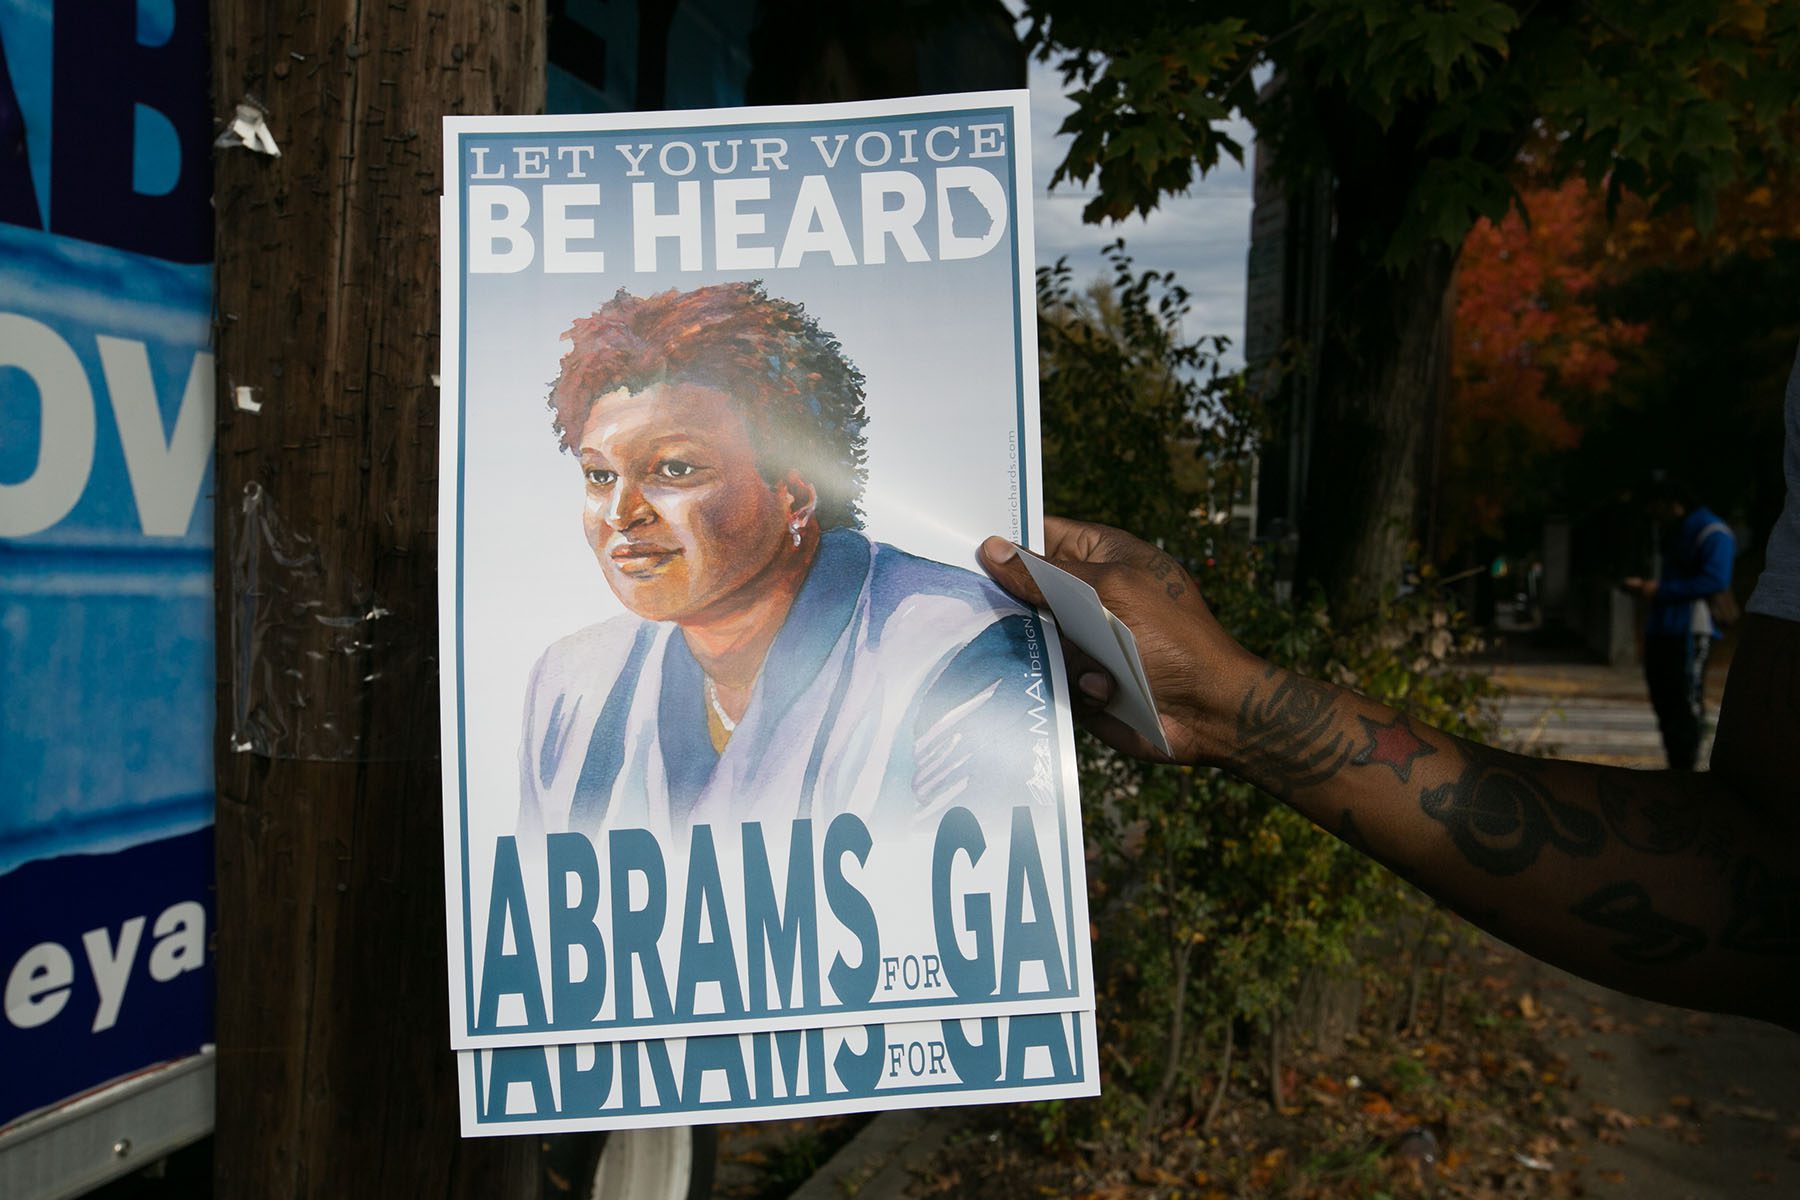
x=1532 y=359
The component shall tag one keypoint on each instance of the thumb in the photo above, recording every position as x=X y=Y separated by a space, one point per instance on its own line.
x=1001 y=560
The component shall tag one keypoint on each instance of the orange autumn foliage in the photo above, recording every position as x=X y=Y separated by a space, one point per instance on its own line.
x=1532 y=357
x=1750 y=220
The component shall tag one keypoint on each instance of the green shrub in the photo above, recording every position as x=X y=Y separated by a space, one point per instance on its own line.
x=1211 y=901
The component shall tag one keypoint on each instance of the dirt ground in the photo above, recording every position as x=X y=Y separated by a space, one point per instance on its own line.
x=1667 y=1104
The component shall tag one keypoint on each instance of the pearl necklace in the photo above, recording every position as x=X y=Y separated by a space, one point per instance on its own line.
x=712 y=698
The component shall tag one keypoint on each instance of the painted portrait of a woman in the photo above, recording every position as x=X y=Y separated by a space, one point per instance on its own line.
x=773 y=661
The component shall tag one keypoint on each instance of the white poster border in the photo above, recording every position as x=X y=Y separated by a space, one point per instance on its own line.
x=475 y=1072
x=451 y=381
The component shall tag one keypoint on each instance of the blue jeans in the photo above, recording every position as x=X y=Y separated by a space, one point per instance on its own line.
x=1675 y=669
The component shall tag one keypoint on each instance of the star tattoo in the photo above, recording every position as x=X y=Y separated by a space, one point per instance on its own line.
x=1393 y=745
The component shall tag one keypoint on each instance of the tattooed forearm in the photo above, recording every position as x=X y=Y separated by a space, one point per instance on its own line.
x=1670 y=818
x=1500 y=816
x=1393 y=745
x=1761 y=919
x=1765 y=911
x=1351 y=834
x=1286 y=734
x=1652 y=938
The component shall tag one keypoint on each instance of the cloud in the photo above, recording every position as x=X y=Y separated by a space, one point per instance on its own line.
x=1203 y=236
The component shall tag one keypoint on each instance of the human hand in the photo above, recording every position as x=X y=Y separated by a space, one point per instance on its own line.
x=1196 y=671
x=1643 y=587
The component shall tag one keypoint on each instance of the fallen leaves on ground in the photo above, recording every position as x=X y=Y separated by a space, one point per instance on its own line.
x=1484 y=1095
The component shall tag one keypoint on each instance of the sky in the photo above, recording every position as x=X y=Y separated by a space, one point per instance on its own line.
x=1203 y=236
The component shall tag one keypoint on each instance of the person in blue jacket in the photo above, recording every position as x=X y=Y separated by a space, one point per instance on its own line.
x=1698 y=551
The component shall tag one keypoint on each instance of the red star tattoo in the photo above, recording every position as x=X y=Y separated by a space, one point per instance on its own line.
x=1393 y=745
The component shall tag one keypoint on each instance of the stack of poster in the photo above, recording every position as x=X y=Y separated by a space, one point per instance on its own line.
x=760 y=798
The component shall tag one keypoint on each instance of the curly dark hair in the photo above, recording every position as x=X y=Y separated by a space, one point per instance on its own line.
x=802 y=398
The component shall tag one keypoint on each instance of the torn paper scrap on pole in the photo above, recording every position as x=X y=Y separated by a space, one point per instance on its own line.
x=249 y=130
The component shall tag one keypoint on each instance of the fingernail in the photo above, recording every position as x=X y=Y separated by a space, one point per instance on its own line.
x=1094 y=685
x=999 y=550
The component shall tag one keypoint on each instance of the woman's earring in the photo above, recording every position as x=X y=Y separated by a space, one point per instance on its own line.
x=797 y=520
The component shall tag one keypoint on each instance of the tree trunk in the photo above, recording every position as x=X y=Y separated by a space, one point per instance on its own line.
x=1379 y=377
x=1277 y=1093
x=1379 y=358
x=335 y=1072
x=1218 y=1096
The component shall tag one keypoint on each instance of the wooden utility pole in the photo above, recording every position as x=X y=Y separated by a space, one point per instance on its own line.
x=335 y=1074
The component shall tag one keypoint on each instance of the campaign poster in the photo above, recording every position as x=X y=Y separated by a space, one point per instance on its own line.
x=737 y=736
x=106 y=597
x=777 y=1076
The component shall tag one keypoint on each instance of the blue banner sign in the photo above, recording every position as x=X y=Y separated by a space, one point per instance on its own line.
x=106 y=446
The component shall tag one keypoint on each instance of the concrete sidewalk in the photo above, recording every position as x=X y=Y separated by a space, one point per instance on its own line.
x=879 y=1163
x=1587 y=711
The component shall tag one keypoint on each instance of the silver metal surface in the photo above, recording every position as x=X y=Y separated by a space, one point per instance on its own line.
x=74 y=1147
